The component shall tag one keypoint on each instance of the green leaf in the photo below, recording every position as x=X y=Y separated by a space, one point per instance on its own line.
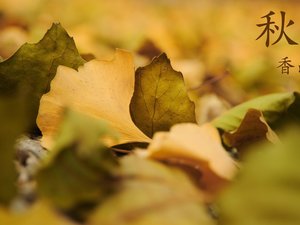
x=33 y=66
x=160 y=98
x=12 y=125
x=276 y=108
x=267 y=192
x=79 y=169
x=152 y=193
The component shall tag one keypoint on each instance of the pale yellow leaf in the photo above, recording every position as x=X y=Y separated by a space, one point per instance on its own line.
x=101 y=89
x=199 y=147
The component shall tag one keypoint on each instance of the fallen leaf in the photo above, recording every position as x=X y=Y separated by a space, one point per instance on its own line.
x=197 y=146
x=267 y=189
x=13 y=123
x=33 y=66
x=101 y=89
x=160 y=97
x=276 y=109
x=124 y=149
x=252 y=129
x=39 y=213
x=152 y=193
x=210 y=106
x=79 y=169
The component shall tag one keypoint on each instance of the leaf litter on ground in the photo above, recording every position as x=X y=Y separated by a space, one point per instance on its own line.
x=81 y=177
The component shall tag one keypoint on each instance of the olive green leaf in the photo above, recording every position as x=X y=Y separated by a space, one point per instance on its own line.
x=13 y=123
x=152 y=193
x=267 y=192
x=33 y=66
x=160 y=98
x=39 y=211
x=79 y=168
x=276 y=109
x=253 y=128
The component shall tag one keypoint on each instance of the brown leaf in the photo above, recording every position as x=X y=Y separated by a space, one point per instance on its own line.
x=253 y=128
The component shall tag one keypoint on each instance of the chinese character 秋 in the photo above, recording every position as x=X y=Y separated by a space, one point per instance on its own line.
x=269 y=29
x=285 y=65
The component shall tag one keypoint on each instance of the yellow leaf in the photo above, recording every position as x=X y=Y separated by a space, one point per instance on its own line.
x=39 y=213
x=199 y=147
x=101 y=89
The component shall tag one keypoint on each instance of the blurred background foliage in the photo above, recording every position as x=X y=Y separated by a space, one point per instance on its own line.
x=211 y=42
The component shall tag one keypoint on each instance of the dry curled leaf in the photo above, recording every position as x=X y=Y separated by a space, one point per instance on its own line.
x=197 y=146
x=253 y=128
x=100 y=89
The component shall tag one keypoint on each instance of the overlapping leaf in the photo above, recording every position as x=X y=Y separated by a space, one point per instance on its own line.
x=79 y=169
x=151 y=194
x=24 y=78
x=198 y=147
x=276 y=108
x=160 y=98
x=33 y=66
x=101 y=89
x=253 y=128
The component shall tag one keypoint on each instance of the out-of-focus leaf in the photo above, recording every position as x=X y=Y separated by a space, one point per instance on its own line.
x=151 y=194
x=124 y=149
x=267 y=192
x=39 y=213
x=275 y=108
x=101 y=89
x=79 y=169
x=210 y=106
x=160 y=98
x=197 y=146
x=12 y=125
x=253 y=128
x=33 y=66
